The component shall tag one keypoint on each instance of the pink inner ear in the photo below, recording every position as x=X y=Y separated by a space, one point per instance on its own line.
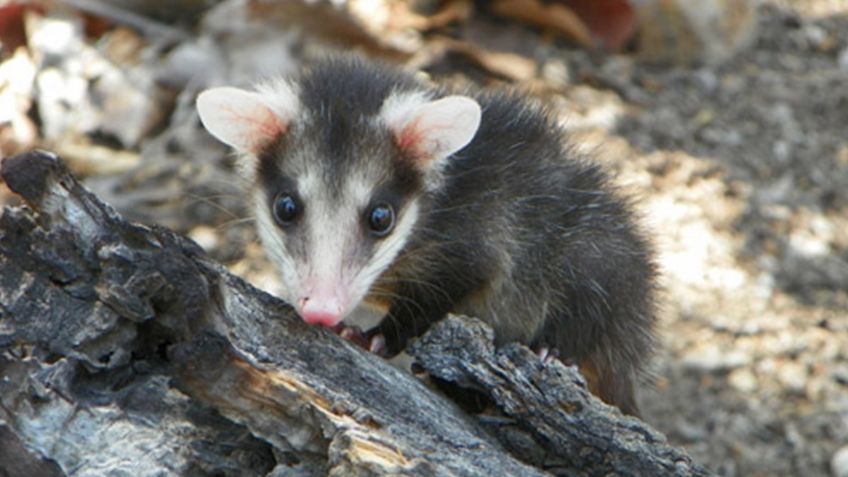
x=412 y=138
x=265 y=125
x=409 y=137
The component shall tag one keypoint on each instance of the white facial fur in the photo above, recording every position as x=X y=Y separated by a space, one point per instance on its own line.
x=399 y=108
x=333 y=233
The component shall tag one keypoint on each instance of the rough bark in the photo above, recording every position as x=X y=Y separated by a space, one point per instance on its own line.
x=549 y=404
x=125 y=351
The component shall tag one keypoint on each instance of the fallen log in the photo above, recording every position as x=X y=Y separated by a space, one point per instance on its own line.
x=124 y=350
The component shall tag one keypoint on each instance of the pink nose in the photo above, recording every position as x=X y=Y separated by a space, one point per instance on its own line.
x=321 y=312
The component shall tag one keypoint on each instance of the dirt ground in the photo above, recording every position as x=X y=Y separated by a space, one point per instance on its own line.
x=741 y=171
x=744 y=174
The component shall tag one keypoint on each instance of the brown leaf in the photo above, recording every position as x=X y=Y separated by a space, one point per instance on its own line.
x=454 y=10
x=12 y=34
x=612 y=22
x=555 y=17
x=508 y=65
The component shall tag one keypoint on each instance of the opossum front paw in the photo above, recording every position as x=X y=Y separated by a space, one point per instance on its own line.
x=374 y=343
x=547 y=354
x=353 y=334
x=377 y=345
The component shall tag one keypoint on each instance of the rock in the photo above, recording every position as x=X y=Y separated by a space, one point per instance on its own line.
x=686 y=32
x=690 y=432
x=707 y=80
x=842 y=60
x=839 y=463
x=840 y=374
x=743 y=380
x=816 y=36
x=793 y=376
x=712 y=357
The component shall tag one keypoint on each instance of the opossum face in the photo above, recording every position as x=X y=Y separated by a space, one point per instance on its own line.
x=336 y=192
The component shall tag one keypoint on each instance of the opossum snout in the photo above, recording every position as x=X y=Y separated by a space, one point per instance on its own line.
x=324 y=314
x=323 y=307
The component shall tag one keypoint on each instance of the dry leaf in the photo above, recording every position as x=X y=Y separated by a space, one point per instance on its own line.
x=86 y=158
x=453 y=11
x=612 y=22
x=79 y=91
x=555 y=17
x=397 y=24
x=508 y=65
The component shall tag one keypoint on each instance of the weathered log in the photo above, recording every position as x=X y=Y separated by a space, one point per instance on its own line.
x=125 y=351
x=549 y=403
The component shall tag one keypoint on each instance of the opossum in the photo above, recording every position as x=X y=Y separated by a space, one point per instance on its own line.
x=371 y=186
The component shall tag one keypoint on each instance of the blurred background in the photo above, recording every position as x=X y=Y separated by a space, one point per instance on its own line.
x=728 y=119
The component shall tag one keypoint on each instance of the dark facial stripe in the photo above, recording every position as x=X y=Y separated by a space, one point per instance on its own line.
x=268 y=175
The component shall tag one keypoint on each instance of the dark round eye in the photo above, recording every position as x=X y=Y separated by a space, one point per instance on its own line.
x=381 y=219
x=286 y=208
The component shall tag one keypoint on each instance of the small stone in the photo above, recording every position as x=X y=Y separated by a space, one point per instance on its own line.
x=713 y=358
x=707 y=80
x=839 y=463
x=793 y=375
x=743 y=380
x=840 y=375
x=842 y=60
x=704 y=117
x=685 y=32
x=690 y=432
x=816 y=35
x=808 y=244
x=782 y=151
x=556 y=72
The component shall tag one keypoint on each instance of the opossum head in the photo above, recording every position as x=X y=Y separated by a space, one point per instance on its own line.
x=338 y=168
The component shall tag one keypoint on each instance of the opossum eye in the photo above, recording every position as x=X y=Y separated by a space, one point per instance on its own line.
x=381 y=219
x=286 y=208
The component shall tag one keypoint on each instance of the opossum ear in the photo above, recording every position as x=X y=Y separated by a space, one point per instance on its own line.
x=434 y=130
x=245 y=120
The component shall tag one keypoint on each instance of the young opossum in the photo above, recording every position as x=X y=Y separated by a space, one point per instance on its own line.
x=370 y=186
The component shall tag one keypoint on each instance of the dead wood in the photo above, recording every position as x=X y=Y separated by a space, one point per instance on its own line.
x=125 y=351
x=547 y=403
